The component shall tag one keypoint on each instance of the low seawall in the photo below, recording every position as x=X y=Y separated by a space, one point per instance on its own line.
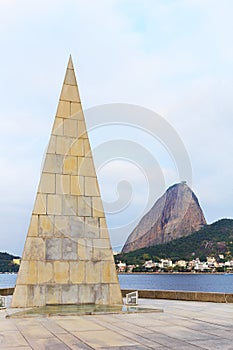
x=6 y=291
x=182 y=295
x=165 y=294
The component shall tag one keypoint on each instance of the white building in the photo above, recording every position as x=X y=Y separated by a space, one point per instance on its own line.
x=181 y=263
x=149 y=264
x=121 y=267
x=165 y=263
x=201 y=265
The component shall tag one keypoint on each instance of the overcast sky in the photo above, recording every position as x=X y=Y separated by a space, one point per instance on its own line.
x=172 y=57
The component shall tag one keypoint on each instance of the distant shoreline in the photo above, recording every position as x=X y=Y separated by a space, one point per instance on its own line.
x=153 y=273
x=174 y=273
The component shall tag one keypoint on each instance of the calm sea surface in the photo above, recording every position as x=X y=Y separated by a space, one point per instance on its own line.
x=7 y=280
x=187 y=282
x=203 y=283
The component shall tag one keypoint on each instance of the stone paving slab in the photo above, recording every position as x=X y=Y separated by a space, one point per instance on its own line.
x=184 y=325
x=15 y=347
x=73 y=342
x=98 y=339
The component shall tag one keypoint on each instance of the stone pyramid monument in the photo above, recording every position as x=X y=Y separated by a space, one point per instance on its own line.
x=67 y=257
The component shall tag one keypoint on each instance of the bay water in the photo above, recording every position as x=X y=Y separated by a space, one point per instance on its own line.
x=222 y=283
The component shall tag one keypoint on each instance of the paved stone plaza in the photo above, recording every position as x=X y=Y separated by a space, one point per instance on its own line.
x=182 y=325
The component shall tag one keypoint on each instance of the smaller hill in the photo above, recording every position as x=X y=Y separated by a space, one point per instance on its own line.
x=6 y=263
x=210 y=240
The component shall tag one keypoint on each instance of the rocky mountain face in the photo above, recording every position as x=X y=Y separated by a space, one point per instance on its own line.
x=176 y=214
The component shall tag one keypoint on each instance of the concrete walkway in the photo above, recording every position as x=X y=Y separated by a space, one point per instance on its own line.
x=182 y=325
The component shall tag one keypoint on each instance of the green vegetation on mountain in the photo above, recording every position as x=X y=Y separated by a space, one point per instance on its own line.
x=6 y=263
x=211 y=240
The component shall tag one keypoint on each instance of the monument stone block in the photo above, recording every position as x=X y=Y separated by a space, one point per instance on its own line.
x=33 y=228
x=46 y=225
x=77 y=148
x=77 y=227
x=92 y=272
x=101 y=293
x=62 y=184
x=70 y=127
x=77 y=272
x=45 y=272
x=61 y=225
x=69 y=294
x=77 y=185
x=40 y=204
x=92 y=227
x=52 y=145
x=69 y=205
x=53 y=249
x=86 y=166
x=97 y=207
x=34 y=249
x=53 y=294
x=69 y=93
x=84 y=206
x=91 y=186
x=87 y=148
x=88 y=291
x=103 y=228
x=70 y=165
x=63 y=145
x=47 y=183
x=69 y=249
x=76 y=110
x=53 y=164
x=85 y=249
x=61 y=272
x=63 y=109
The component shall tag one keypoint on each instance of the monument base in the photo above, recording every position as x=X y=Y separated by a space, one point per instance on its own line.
x=80 y=309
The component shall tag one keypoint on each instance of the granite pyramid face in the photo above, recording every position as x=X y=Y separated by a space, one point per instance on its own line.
x=67 y=257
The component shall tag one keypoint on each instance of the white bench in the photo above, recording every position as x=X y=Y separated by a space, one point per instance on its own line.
x=2 y=302
x=132 y=298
